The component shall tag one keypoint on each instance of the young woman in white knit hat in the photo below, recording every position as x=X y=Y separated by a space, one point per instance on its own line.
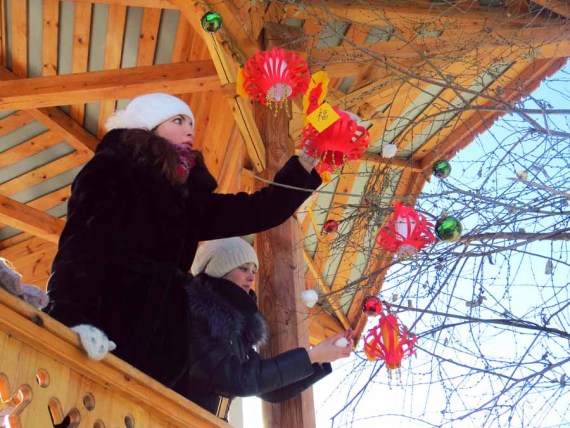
x=225 y=329
x=136 y=213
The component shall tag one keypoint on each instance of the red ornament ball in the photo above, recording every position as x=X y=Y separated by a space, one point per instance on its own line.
x=372 y=306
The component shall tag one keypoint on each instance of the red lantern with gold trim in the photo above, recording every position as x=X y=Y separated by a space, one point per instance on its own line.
x=344 y=140
x=389 y=341
x=272 y=77
x=405 y=232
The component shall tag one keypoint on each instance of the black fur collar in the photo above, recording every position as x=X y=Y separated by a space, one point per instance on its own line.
x=227 y=309
x=199 y=180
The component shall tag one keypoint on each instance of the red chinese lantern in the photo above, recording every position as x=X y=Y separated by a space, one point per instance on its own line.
x=405 y=232
x=344 y=140
x=389 y=341
x=372 y=306
x=272 y=77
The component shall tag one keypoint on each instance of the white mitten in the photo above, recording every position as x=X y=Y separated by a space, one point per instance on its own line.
x=94 y=341
x=308 y=158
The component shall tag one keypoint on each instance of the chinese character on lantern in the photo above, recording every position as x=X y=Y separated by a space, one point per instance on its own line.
x=405 y=232
x=389 y=341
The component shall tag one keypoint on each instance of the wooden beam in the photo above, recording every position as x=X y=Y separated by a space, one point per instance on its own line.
x=322 y=325
x=153 y=4
x=280 y=279
x=108 y=84
x=31 y=220
x=560 y=7
x=225 y=54
x=332 y=299
x=472 y=123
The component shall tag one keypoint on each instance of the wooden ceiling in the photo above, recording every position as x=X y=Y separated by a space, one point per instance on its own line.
x=425 y=75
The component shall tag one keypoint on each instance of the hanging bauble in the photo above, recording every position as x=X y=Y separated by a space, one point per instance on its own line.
x=406 y=232
x=309 y=297
x=372 y=306
x=448 y=228
x=272 y=77
x=389 y=150
x=211 y=22
x=389 y=341
x=344 y=140
x=441 y=169
x=330 y=226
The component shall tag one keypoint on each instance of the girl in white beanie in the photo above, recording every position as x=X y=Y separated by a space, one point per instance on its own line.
x=136 y=213
x=225 y=329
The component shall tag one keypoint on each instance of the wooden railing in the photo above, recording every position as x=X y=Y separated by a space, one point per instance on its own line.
x=45 y=379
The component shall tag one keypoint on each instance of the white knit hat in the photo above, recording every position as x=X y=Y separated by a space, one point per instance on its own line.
x=216 y=258
x=148 y=111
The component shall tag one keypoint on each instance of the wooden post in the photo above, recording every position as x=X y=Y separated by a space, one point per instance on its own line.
x=281 y=279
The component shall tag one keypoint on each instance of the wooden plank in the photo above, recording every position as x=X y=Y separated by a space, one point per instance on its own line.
x=155 y=4
x=19 y=37
x=50 y=27
x=44 y=172
x=3 y=35
x=112 y=60
x=107 y=84
x=29 y=148
x=322 y=326
x=454 y=138
x=42 y=334
x=69 y=129
x=149 y=36
x=80 y=50
x=14 y=121
x=27 y=219
x=560 y=7
x=315 y=270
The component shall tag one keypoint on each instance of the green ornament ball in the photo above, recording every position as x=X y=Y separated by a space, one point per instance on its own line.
x=448 y=229
x=441 y=169
x=211 y=22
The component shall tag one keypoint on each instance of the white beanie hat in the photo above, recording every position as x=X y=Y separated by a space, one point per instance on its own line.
x=216 y=258
x=148 y=111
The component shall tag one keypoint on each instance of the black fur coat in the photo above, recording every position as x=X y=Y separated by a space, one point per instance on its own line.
x=130 y=238
x=225 y=325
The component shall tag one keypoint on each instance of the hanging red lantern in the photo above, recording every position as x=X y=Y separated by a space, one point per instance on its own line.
x=344 y=140
x=272 y=77
x=389 y=341
x=372 y=306
x=405 y=232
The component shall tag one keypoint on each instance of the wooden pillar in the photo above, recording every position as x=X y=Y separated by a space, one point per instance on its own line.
x=280 y=279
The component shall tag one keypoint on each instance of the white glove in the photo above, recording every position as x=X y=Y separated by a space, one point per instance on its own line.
x=94 y=341
x=308 y=158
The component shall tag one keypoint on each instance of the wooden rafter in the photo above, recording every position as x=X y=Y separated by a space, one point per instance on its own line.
x=108 y=84
x=31 y=220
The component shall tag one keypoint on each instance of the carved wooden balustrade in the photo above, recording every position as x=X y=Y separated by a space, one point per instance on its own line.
x=47 y=381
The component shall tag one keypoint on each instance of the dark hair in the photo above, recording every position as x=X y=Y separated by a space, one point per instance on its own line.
x=148 y=148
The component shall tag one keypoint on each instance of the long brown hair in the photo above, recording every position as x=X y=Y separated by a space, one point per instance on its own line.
x=150 y=149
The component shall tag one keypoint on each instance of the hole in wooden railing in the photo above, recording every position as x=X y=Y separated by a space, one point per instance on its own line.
x=98 y=424
x=89 y=401
x=42 y=378
x=129 y=421
x=12 y=405
x=71 y=420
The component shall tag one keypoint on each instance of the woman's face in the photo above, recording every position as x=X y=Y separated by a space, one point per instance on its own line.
x=243 y=276
x=178 y=130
